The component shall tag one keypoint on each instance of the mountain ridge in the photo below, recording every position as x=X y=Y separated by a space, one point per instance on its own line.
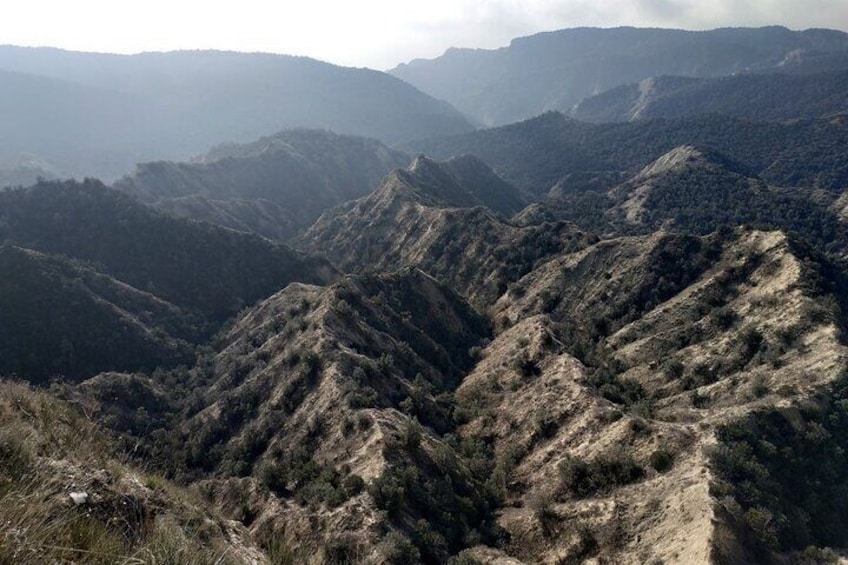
x=538 y=153
x=275 y=187
x=530 y=76
x=436 y=230
x=175 y=105
x=553 y=341
x=755 y=97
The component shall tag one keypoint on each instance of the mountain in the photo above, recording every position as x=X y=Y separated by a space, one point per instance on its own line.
x=332 y=404
x=64 y=319
x=71 y=128
x=432 y=216
x=275 y=187
x=564 y=342
x=686 y=174
x=556 y=70
x=554 y=151
x=198 y=267
x=699 y=191
x=751 y=97
x=91 y=114
x=690 y=334
x=490 y=388
x=24 y=170
x=601 y=413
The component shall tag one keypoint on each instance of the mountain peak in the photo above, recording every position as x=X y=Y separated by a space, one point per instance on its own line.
x=686 y=157
x=425 y=170
x=461 y=182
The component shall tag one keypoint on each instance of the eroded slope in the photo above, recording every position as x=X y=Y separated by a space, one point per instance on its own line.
x=434 y=219
x=611 y=456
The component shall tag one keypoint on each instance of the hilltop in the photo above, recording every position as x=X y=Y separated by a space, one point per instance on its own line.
x=433 y=217
x=276 y=186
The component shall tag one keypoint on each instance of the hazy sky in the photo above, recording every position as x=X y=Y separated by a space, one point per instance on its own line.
x=373 y=33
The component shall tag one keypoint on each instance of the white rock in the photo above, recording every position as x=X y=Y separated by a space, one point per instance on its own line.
x=79 y=497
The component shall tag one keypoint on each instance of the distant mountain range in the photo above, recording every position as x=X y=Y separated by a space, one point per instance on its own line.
x=90 y=114
x=556 y=70
x=753 y=97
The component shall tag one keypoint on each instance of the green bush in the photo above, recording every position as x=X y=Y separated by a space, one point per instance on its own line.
x=343 y=549
x=661 y=460
x=788 y=470
x=545 y=425
x=464 y=558
x=579 y=479
x=396 y=549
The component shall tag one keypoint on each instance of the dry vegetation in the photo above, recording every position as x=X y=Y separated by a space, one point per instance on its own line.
x=49 y=450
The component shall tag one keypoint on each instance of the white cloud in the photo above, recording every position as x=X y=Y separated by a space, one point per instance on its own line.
x=377 y=33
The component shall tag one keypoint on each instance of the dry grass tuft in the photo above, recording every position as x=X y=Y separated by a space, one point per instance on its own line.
x=49 y=449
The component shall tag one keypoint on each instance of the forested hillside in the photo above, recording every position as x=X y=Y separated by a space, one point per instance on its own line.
x=275 y=187
x=536 y=154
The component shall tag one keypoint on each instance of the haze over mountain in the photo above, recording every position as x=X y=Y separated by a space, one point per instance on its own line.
x=753 y=97
x=556 y=70
x=275 y=187
x=89 y=114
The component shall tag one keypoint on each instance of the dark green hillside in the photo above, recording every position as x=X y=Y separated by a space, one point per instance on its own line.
x=474 y=176
x=58 y=318
x=700 y=191
x=195 y=266
x=786 y=469
x=274 y=187
x=536 y=154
